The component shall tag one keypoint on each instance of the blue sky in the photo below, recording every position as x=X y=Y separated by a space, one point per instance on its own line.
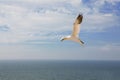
x=31 y=29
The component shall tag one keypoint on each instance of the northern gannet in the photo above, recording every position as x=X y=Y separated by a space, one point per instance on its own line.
x=76 y=29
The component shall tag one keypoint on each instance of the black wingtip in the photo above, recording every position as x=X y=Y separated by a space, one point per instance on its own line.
x=79 y=18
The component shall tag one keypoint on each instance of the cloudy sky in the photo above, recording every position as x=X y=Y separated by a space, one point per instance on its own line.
x=31 y=29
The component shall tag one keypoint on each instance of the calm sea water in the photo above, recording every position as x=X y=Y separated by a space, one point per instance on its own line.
x=59 y=70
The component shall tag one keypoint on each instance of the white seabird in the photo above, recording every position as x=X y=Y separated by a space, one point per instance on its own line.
x=76 y=29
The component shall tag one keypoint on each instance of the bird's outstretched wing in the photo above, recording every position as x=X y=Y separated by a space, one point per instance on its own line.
x=76 y=26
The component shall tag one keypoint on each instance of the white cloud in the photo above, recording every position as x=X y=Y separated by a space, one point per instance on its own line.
x=76 y=3
x=38 y=2
x=25 y=21
x=99 y=22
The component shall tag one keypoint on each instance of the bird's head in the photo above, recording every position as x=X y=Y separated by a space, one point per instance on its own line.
x=62 y=39
x=65 y=38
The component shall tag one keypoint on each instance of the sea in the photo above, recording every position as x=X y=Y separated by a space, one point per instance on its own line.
x=59 y=70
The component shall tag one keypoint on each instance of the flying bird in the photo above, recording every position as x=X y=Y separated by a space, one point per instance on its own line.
x=76 y=29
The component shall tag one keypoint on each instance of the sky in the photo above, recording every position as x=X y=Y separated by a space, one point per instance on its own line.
x=32 y=29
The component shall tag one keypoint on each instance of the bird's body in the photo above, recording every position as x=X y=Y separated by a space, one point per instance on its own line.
x=76 y=29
